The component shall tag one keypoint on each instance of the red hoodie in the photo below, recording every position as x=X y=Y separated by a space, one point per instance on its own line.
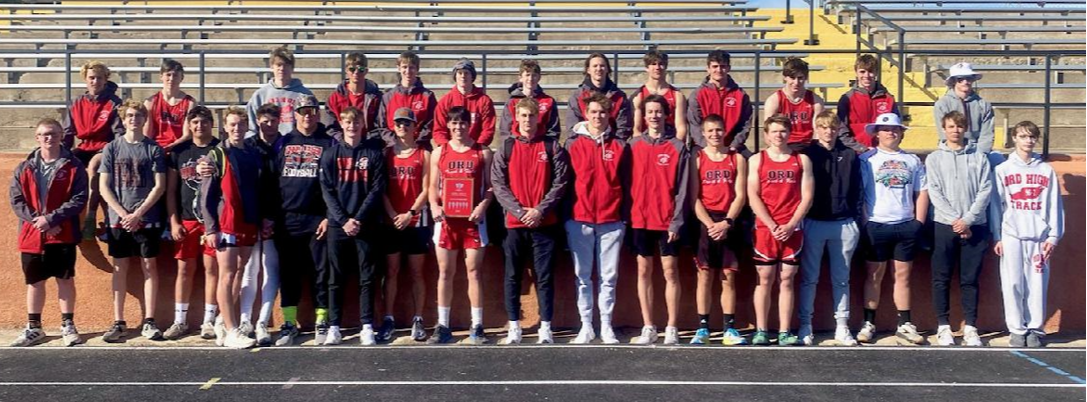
x=857 y=108
x=479 y=105
x=369 y=102
x=621 y=113
x=729 y=102
x=658 y=182
x=416 y=97
x=530 y=174
x=94 y=120
x=601 y=171
x=549 y=113
x=65 y=199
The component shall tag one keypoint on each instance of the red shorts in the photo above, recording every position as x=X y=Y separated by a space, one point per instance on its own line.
x=192 y=245
x=460 y=234
x=769 y=250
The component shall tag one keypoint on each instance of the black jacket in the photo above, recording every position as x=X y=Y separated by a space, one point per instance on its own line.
x=837 y=182
x=353 y=181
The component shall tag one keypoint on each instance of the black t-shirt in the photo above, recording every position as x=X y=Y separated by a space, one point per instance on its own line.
x=184 y=159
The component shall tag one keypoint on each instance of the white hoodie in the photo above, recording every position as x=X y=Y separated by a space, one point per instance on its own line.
x=1027 y=203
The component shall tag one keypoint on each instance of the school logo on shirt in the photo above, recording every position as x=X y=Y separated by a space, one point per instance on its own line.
x=609 y=155
x=894 y=174
x=883 y=107
x=781 y=177
x=662 y=159
x=301 y=160
x=103 y=115
x=730 y=102
x=405 y=172
x=417 y=105
x=541 y=156
x=455 y=167
x=352 y=170
x=1038 y=262
x=718 y=177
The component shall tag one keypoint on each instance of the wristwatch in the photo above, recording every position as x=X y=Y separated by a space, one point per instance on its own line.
x=413 y=212
x=729 y=221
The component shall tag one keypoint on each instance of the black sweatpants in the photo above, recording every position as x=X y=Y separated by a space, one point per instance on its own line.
x=301 y=257
x=950 y=250
x=352 y=253
x=519 y=245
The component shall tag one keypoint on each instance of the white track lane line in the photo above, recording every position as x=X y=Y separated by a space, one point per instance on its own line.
x=770 y=349
x=547 y=383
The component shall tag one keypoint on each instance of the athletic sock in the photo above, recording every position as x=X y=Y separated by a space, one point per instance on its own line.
x=290 y=315
x=730 y=319
x=477 y=316
x=322 y=315
x=515 y=324
x=704 y=321
x=209 y=312
x=545 y=325
x=443 y=316
x=67 y=318
x=245 y=317
x=180 y=311
x=34 y=320
x=870 y=315
x=903 y=317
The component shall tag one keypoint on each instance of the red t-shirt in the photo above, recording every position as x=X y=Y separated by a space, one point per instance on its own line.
x=405 y=180
x=780 y=187
x=717 y=182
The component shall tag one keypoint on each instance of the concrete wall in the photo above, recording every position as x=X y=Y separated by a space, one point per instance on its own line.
x=94 y=306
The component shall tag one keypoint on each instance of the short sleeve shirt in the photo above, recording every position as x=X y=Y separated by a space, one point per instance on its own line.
x=892 y=181
x=132 y=168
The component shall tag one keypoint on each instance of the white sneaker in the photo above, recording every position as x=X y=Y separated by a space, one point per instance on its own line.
x=246 y=328
x=806 y=336
x=320 y=333
x=607 y=335
x=908 y=333
x=970 y=336
x=334 y=336
x=235 y=339
x=544 y=336
x=671 y=336
x=69 y=335
x=867 y=334
x=220 y=332
x=843 y=337
x=513 y=337
x=151 y=332
x=944 y=337
x=366 y=336
x=264 y=338
x=648 y=336
x=584 y=336
x=207 y=330
x=29 y=337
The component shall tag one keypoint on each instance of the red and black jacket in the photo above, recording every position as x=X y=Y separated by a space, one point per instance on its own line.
x=622 y=110
x=230 y=200
x=859 y=107
x=658 y=182
x=417 y=98
x=369 y=102
x=530 y=173
x=600 y=168
x=730 y=102
x=93 y=120
x=65 y=199
x=549 y=113
x=480 y=107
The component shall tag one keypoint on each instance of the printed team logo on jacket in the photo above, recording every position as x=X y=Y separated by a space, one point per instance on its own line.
x=301 y=160
x=103 y=115
x=541 y=157
x=718 y=177
x=351 y=170
x=417 y=106
x=454 y=167
x=780 y=176
x=894 y=174
x=609 y=155
x=883 y=107
x=730 y=102
x=663 y=159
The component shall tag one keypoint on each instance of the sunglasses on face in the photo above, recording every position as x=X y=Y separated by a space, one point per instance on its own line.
x=404 y=123
x=356 y=69
x=309 y=111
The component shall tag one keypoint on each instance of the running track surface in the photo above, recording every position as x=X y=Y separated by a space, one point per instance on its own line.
x=555 y=372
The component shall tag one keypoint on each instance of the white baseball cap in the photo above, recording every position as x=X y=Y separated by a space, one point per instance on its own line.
x=962 y=69
x=886 y=119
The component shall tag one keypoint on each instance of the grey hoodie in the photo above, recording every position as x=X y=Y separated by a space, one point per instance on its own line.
x=285 y=97
x=959 y=184
x=979 y=118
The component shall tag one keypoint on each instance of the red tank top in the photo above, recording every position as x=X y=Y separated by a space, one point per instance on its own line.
x=718 y=182
x=800 y=114
x=779 y=183
x=467 y=164
x=169 y=120
x=406 y=182
x=669 y=96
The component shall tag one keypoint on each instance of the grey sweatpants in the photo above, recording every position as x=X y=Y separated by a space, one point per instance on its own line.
x=1024 y=280
x=839 y=239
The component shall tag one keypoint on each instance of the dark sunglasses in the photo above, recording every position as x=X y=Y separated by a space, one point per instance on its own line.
x=356 y=69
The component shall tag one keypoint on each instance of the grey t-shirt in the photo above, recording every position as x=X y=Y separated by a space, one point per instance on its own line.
x=44 y=175
x=132 y=169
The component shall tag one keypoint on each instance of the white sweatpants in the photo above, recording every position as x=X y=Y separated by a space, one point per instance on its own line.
x=1024 y=280
x=264 y=256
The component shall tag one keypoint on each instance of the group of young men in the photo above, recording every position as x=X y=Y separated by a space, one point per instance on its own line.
x=290 y=200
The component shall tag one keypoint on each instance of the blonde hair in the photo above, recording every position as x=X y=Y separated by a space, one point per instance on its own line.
x=237 y=111
x=132 y=104
x=828 y=119
x=97 y=66
x=350 y=113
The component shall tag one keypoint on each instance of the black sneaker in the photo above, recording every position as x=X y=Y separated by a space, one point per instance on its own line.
x=116 y=333
x=385 y=333
x=441 y=335
x=477 y=336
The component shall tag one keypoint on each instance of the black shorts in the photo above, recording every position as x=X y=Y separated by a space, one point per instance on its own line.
x=892 y=241
x=413 y=240
x=142 y=243
x=714 y=254
x=84 y=156
x=57 y=261
x=646 y=243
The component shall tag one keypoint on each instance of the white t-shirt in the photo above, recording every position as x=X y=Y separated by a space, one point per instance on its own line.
x=892 y=181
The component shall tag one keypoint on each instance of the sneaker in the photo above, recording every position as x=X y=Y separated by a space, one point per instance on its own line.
x=701 y=337
x=843 y=337
x=264 y=338
x=236 y=339
x=385 y=334
x=418 y=332
x=320 y=333
x=970 y=336
x=1017 y=341
x=246 y=328
x=671 y=336
x=176 y=331
x=908 y=333
x=476 y=336
x=787 y=339
x=220 y=332
x=867 y=334
x=607 y=335
x=287 y=333
x=513 y=337
x=761 y=338
x=69 y=335
x=29 y=337
x=115 y=334
x=366 y=336
x=1035 y=339
x=944 y=337
x=151 y=332
x=732 y=337
x=648 y=337
x=807 y=338
x=544 y=336
x=441 y=335
x=207 y=330
x=334 y=337
x=584 y=336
